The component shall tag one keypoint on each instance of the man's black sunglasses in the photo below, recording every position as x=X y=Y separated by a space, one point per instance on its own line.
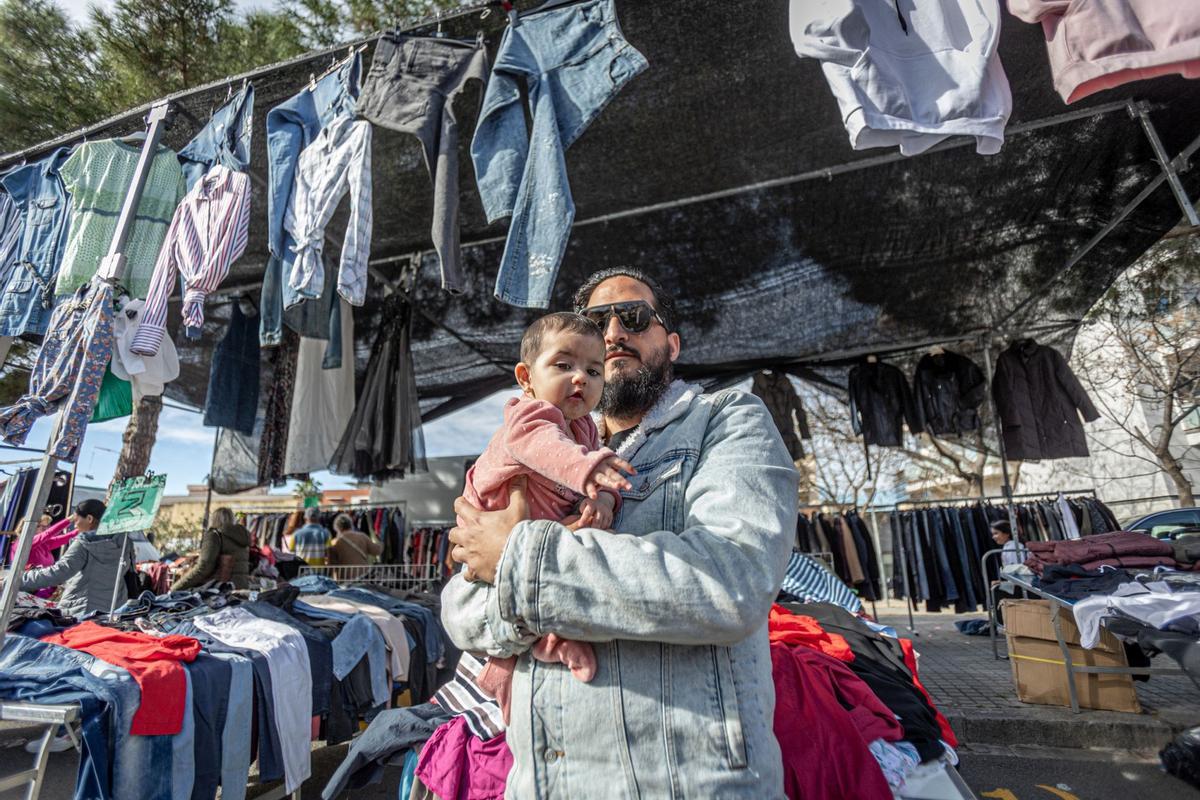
x=635 y=315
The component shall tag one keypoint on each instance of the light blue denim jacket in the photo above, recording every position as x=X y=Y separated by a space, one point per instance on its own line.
x=676 y=604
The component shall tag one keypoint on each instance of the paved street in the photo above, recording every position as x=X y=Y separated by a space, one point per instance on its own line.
x=1041 y=773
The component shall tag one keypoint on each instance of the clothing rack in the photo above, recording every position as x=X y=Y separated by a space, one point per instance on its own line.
x=899 y=547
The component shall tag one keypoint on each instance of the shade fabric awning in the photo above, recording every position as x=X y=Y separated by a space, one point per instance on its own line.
x=725 y=170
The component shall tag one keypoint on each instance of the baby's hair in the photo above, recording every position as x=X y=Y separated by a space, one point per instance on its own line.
x=531 y=342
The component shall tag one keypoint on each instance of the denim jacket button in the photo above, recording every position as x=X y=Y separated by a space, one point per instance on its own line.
x=551 y=756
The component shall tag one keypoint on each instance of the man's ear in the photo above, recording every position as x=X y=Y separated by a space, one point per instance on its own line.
x=673 y=345
x=522 y=374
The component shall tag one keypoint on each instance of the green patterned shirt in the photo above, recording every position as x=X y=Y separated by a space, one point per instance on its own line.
x=98 y=175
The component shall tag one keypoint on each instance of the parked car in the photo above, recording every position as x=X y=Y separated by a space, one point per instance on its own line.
x=1166 y=524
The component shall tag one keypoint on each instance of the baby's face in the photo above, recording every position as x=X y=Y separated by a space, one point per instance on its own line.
x=569 y=372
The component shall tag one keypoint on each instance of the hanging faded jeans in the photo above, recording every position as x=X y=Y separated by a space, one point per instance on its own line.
x=68 y=370
x=574 y=61
x=225 y=140
x=411 y=88
x=291 y=126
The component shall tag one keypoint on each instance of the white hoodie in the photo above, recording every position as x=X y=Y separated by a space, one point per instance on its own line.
x=909 y=74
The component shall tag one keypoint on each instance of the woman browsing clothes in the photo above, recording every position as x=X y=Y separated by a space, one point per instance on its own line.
x=224 y=555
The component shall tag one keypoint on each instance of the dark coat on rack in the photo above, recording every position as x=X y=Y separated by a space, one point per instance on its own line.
x=949 y=388
x=880 y=403
x=1039 y=400
x=780 y=398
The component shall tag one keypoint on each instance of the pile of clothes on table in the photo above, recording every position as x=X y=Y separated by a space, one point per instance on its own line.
x=181 y=691
x=1121 y=549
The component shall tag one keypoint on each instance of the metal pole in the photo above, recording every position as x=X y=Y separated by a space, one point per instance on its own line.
x=211 y=466
x=1141 y=110
x=121 y=567
x=112 y=269
x=41 y=493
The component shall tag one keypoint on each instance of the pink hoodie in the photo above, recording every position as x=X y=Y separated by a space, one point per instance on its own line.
x=41 y=551
x=536 y=440
x=1099 y=44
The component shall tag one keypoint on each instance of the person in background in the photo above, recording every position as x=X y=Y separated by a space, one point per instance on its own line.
x=351 y=549
x=311 y=542
x=88 y=570
x=224 y=541
x=295 y=522
x=49 y=537
x=1002 y=535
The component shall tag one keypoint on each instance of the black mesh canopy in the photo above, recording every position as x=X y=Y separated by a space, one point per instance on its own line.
x=723 y=170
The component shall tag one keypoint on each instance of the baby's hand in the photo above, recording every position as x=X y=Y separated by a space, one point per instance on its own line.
x=607 y=475
x=596 y=513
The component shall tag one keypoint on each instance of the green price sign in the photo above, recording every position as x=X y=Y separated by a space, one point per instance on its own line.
x=133 y=505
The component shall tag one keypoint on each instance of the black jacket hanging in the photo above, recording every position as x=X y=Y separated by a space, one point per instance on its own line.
x=780 y=398
x=1039 y=400
x=949 y=388
x=880 y=403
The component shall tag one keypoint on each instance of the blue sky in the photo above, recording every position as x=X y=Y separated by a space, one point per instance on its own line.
x=184 y=446
x=78 y=9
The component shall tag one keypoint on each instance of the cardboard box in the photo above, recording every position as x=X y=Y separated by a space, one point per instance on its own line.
x=1039 y=671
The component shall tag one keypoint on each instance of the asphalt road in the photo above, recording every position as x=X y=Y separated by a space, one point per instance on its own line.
x=1039 y=773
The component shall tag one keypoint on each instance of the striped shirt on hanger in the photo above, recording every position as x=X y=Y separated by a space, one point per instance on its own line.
x=207 y=234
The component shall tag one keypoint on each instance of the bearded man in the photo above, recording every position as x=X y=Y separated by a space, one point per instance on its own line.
x=675 y=601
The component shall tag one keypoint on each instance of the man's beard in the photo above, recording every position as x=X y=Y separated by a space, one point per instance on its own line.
x=629 y=396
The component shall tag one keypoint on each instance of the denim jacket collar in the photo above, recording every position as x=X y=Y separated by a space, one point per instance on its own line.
x=51 y=164
x=674 y=403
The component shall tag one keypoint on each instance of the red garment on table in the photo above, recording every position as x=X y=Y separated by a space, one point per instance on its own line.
x=457 y=765
x=787 y=628
x=153 y=663
x=910 y=661
x=825 y=716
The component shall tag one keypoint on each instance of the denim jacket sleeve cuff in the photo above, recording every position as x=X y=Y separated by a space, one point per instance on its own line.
x=517 y=573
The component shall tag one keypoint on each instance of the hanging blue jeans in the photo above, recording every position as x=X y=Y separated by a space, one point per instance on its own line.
x=291 y=126
x=574 y=61
x=225 y=140
x=232 y=399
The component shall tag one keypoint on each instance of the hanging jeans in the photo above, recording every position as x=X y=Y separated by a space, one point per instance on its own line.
x=225 y=140
x=574 y=61
x=411 y=88
x=291 y=126
x=68 y=370
x=232 y=400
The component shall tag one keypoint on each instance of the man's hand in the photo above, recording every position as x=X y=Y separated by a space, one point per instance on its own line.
x=607 y=475
x=596 y=513
x=480 y=539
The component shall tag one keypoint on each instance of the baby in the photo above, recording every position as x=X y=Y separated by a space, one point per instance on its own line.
x=549 y=436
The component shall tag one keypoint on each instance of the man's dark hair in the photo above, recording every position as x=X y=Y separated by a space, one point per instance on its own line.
x=531 y=342
x=664 y=303
x=1002 y=525
x=90 y=508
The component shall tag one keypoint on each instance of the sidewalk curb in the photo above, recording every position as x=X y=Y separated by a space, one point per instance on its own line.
x=1053 y=727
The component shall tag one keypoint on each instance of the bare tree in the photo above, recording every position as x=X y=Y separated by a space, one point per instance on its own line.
x=1138 y=355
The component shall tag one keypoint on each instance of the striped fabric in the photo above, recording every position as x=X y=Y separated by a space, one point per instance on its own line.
x=810 y=582
x=462 y=696
x=12 y=223
x=207 y=234
x=338 y=161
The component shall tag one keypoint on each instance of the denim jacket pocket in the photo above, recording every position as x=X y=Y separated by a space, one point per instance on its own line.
x=727 y=702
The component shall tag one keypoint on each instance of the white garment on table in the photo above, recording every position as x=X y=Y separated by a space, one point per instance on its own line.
x=1155 y=604
x=291 y=680
x=322 y=402
x=1068 y=517
x=336 y=162
x=391 y=627
x=909 y=74
x=148 y=375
